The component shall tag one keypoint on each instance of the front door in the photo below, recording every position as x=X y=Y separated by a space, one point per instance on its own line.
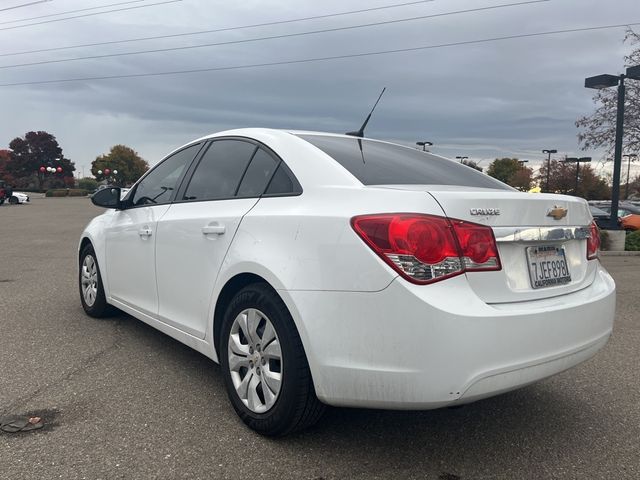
x=131 y=236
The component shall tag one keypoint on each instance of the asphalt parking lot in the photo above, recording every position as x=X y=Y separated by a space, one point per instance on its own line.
x=121 y=400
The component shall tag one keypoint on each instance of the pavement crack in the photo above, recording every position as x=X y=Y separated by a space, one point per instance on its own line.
x=88 y=363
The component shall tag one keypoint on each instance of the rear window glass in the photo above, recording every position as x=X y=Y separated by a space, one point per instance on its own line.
x=377 y=163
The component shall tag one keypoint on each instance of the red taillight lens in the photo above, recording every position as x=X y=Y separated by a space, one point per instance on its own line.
x=593 y=241
x=477 y=245
x=427 y=248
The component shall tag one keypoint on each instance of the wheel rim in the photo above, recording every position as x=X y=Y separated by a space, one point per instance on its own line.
x=89 y=280
x=255 y=360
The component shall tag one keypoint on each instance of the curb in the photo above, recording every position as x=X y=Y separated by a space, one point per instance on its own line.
x=607 y=253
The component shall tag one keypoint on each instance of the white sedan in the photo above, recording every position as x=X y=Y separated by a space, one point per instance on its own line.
x=18 y=197
x=328 y=269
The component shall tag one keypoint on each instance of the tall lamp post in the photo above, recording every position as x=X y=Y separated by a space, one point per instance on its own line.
x=577 y=161
x=629 y=157
x=424 y=145
x=605 y=81
x=461 y=158
x=549 y=152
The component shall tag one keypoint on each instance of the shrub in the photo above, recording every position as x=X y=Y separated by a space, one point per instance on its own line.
x=88 y=183
x=66 y=192
x=632 y=242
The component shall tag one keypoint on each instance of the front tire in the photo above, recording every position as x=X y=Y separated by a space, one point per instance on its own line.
x=13 y=200
x=92 y=294
x=264 y=366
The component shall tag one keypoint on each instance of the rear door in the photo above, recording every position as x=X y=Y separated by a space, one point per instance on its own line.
x=196 y=232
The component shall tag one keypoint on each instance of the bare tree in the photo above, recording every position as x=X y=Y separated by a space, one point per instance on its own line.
x=598 y=130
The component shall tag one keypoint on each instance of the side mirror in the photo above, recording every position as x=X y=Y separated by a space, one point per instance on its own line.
x=107 y=197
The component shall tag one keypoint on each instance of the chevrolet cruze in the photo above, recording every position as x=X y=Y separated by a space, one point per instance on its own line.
x=328 y=269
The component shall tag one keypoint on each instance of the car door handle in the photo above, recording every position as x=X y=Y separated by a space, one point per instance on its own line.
x=145 y=232
x=213 y=229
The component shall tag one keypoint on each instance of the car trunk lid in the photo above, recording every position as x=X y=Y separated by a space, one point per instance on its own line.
x=535 y=233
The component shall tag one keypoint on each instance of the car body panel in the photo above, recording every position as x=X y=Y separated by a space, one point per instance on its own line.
x=130 y=257
x=19 y=197
x=420 y=347
x=188 y=260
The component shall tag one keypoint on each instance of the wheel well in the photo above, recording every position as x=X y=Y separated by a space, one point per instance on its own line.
x=233 y=286
x=85 y=241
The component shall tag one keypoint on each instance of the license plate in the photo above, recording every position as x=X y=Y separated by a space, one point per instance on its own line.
x=548 y=266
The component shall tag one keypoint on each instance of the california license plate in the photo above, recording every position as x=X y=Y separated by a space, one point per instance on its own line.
x=548 y=266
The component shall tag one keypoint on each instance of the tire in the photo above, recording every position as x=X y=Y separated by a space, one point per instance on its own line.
x=13 y=200
x=90 y=285
x=295 y=406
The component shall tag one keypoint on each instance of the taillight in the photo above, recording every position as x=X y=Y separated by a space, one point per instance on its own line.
x=428 y=248
x=593 y=241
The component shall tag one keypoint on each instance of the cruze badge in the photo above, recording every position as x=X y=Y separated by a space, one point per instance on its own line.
x=557 y=212
x=485 y=211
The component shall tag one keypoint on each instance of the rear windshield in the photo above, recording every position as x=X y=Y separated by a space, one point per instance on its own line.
x=378 y=163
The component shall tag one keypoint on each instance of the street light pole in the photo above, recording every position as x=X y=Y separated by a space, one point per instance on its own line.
x=549 y=152
x=617 y=155
x=605 y=81
x=577 y=161
x=424 y=145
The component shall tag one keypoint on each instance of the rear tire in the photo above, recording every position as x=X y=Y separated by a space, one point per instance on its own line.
x=295 y=406
x=92 y=294
x=13 y=200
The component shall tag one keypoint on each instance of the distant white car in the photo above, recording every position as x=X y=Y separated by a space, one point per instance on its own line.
x=321 y=268
x=18 y=197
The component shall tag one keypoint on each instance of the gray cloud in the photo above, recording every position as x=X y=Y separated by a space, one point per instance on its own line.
x=512 y=97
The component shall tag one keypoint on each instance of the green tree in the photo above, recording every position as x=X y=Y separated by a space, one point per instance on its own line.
x=36 y=150
x=598 y=129
x=504 y=169
x=522 y=179
x=562 y=179
x=126 y=161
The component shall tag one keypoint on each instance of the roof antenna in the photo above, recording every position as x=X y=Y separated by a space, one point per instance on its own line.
x=360 y=133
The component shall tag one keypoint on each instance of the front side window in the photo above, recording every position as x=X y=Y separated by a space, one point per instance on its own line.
x=158 y=186
x=219 y=172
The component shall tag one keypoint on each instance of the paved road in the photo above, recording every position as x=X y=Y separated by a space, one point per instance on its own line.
x=124 y=401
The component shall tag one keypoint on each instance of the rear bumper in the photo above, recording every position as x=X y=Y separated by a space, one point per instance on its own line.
x=421 y=347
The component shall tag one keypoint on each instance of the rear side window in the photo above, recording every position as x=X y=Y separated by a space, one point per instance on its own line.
x=220 y=170
x=283 y=182
x=377 y=163
x=258 y=174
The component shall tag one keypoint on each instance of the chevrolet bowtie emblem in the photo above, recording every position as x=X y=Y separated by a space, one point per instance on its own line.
x=557 y=212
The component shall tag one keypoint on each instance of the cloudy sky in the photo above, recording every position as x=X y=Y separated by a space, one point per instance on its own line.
x=510 y=97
